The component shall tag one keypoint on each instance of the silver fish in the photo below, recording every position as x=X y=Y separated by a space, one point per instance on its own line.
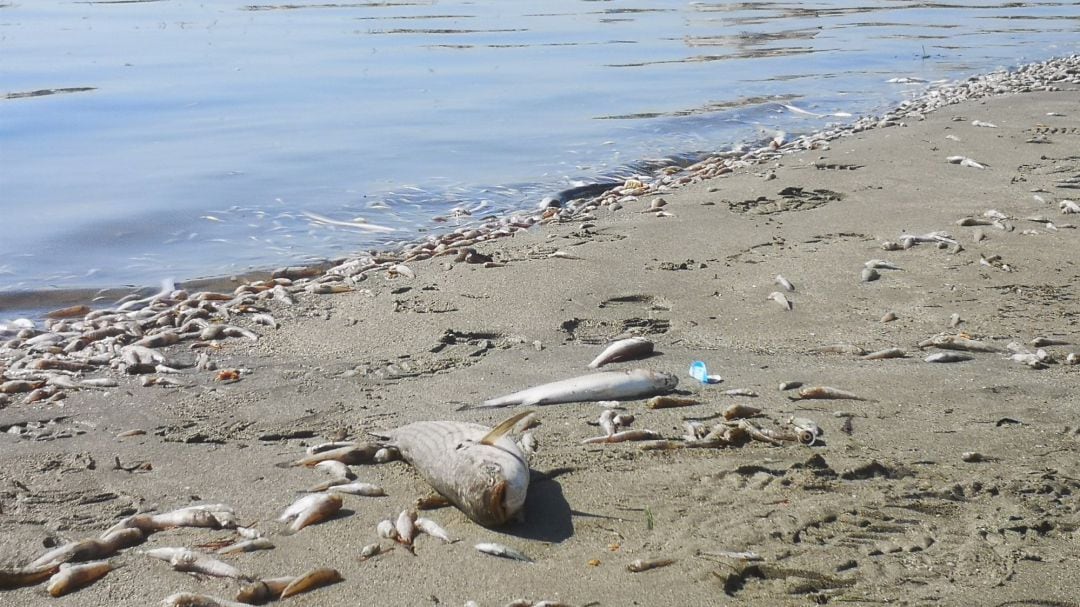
x=624 y=349
x=608 y=385
x=783 y=282
x=504 y=551
x=480 y=470
x=947 y=357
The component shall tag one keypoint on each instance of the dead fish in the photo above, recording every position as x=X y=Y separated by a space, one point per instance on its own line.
x=958 y=342
x=621 y=437
x=779 y=298
x=839 y=349
x=505 y=552
x=73 y=577
x=258 y=543
x=264 y=590
x=433 y=529
x=190 y=599
x=669 y=402
x=607 y=385
x=351 y=454
x=974 y=221
x=889 y=317
x=622 y=350
x=739 y=410
x=740 y=392
x=311 y=580
x=480 y=470
x=980 y=123
x=406 y=526
x=310 y=509
x=1039 y=342
x=886 y=353
x=335 y=469
x=370 y=551
x=881 y=264
x=947 y=357
x=785 y=283
x=26 y=576
x=824 y=392
x=191 y=561
x=789 y=385
x=358 y=488
x=386 y=530
x=1069 y=207
x=607 y=421
x=869 y=275
x=807 y=430
x=640 y=565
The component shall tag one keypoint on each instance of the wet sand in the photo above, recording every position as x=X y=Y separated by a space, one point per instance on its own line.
x=884 y=510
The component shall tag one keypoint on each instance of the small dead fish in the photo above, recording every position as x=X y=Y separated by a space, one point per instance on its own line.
x=884 y=354
x=739 y=411
x=621 y=437
x=358 y=488
x=669 y=402
x=839 y=349
x=311 y=580
x=980 y=123
x=433 y=529
x=351 y=454
x=190 y=599
x=888 y=317
x=370 y=551
x=263 y=590
x=869 y=275
x=947 y=357
x=191 y=561
x=881 y=264
x=335 y=469
x=310 y=509
x=386 y=530
x=639 y=565
x=321 y=447
x=974 y=221
x=606 y=385
x=406 y=526
x=500 y=550
x=785 y=283
x=265 y=319
x=480 y=470
x=258 y=543
x=1069 y=207
x=622 y=350
x=779 y=298
x=26 y=576
x=1039 y=342
x=958 y=342
x=824 y=392
x=73 y=577
x=740 y=392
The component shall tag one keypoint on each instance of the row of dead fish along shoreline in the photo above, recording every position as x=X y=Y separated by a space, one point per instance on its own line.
x=41 y=364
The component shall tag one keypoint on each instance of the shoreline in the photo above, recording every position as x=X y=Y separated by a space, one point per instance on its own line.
x=665 y=177
x=892 y=506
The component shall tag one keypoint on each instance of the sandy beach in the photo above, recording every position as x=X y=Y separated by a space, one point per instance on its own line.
x=946 y=484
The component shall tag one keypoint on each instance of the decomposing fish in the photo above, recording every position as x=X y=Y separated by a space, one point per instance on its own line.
x=480 y=470
x=1069 y=207
x=957 y=342
x=386 y=530
x=620 y=437
x=824 y=392
x=886 y=353
x=251 y=545
x=779 y=298
x=1039 y=342
x=869 y=275
x=785 y=283
x=358 y=488
x=639 y=565
x=310 y=509
x=190 y=599
x=881 y=264
x=191 y=561
x=668 y=402
x=311 y=580
x=263 y=590
x=947 y=357
x=739 y=410
x=26 y=576
x=89 y=549
x=73 y=577
x=807 y=430
x=505 y=552
x=607 y=385
x=433 y=529
x=335 y=469
x=405 y=525
x=624 y=349
x=349 y=454
x=607 y=421
x=740 y=392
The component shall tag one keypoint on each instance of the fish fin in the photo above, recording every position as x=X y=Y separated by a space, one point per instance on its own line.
x=505 y=426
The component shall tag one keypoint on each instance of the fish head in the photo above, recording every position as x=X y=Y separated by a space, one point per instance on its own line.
x=504 y=498
x=665 y=381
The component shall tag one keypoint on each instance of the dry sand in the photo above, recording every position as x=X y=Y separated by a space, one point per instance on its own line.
x=884 y=512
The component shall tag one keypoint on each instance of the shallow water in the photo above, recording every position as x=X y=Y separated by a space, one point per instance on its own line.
x=144 y=139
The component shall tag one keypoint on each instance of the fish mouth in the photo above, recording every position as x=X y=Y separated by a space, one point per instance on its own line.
x=496 y=503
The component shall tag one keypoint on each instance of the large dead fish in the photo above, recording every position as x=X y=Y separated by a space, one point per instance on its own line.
x=480 y=470
x=607 y=385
